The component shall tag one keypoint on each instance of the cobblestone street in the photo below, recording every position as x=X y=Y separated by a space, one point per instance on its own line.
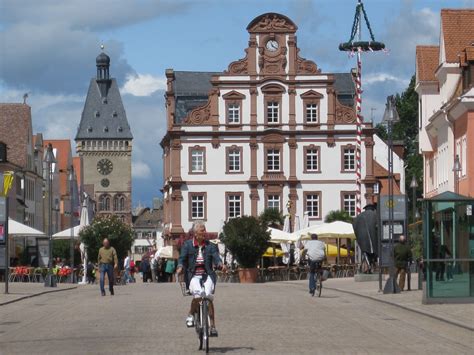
x=259 y=318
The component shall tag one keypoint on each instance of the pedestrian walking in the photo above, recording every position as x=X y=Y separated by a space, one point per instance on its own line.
x=108 y=261
x=170 y=269
x=145 y=269
x=126 y=267
x=403 y=257
x=132 y=269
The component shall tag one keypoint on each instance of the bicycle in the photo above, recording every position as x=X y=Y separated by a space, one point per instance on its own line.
x=318 y=279
x=201 y=317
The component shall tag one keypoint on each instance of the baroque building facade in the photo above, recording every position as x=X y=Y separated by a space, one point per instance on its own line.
x=104 y=141
x=271 y=131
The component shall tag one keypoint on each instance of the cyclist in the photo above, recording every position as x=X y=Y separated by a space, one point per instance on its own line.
x=316 y=251
x=198 y=256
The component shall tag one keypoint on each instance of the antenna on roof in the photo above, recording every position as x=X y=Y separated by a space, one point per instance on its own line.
x=25 y=96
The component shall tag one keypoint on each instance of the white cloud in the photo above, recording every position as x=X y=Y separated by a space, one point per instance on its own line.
x=373 y=78
x=143 y=84
x=140 y=170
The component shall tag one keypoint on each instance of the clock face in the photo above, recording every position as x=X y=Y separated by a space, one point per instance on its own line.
x=105 y=182
x=105 y=166
x=272 y=45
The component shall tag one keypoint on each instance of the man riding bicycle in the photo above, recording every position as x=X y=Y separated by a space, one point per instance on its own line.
x=316 y=251
x=198 y=256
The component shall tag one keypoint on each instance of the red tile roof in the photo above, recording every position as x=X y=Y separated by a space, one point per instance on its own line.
x=457 y=30
x=427 y=59
x=16 y=131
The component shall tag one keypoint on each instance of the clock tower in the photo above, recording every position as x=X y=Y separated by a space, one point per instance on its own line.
x=104 y=141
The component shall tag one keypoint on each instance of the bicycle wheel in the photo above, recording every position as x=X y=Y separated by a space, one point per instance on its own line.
x=205 y=325
x=197 y=326
x=319 y=284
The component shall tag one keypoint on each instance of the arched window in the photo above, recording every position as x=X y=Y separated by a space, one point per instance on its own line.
x=122 y=203
x=104 y=203
x=116 y=203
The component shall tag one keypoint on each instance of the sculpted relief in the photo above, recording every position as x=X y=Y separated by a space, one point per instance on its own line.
x=272 y=23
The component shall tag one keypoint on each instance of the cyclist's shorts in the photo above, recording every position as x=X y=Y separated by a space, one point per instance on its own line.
x=195 y=287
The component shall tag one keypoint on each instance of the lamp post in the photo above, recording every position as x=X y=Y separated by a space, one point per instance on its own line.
x=49 y=159
x=390 y=116
x=456 y=169
x=71 y=180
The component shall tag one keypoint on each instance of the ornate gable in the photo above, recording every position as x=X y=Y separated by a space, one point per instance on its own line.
x=311 y=94
x=272 y=22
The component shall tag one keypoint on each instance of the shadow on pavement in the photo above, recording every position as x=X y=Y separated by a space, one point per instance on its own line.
x=230 y=349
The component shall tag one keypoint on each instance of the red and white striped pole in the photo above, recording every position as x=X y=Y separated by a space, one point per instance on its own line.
x=359 y=131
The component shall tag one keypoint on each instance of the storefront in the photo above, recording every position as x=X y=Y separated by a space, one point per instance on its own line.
x=448 y=228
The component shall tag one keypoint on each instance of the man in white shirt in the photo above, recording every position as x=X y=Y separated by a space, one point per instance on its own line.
x=316 y=251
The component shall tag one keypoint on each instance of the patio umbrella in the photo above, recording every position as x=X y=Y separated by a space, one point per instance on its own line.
x=83 y=222
x=269 y=253
x=17 y=229
x=278 y=236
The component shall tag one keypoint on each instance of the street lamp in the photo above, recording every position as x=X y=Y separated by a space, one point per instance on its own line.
x=390 y=116
x=414 y=185
x=71 y=180
x=456 y=169
x=50 y=160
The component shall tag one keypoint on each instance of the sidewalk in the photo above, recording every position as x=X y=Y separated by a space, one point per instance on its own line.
x=458 y=314
x=22 y=290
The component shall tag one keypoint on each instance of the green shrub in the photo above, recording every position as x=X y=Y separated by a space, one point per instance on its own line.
x=246 y=238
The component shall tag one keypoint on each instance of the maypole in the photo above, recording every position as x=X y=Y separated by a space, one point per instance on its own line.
x=359 y=46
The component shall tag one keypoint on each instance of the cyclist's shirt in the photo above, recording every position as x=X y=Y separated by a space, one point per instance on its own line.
x=200 y=268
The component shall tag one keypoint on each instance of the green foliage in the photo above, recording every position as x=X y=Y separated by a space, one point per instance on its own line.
x=246 y=238
x=61 y=249
x=272 y=217
x=338 y=216
x=119 y=234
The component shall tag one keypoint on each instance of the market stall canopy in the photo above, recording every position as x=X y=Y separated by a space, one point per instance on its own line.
x=17 y=229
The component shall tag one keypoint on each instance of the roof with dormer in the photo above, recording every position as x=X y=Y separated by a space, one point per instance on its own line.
x=104 y=116
x=457 y=31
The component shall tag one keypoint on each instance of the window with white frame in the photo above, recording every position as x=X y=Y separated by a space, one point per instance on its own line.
x=233 y=113
x=197 y=206
x=234 y=206
x=312 y=205
x=233 y=160
x=273 y=108
x=312 y=113
x=197 y=160
x=349 y=158
x=273 y=202
x=349 y=203
x=273 y=160
x=312 y=159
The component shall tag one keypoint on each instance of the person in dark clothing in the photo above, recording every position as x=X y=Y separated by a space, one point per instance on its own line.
x=403 y=256
x=145 y=269
x=444 y=253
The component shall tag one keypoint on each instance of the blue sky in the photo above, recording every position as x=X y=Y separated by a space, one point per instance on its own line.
x=49 y=47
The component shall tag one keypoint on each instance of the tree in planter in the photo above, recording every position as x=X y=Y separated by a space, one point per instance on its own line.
x=246 y=238
x=119 y=234
x=272 y=217
x=340 y=215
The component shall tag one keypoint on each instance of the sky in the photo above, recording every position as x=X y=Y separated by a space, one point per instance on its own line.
x=48 y=50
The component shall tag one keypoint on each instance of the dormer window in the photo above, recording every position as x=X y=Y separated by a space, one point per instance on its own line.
x=89 y=129
x=97 y=114
x=106 y=129
x=119 y=129
x=104 y=100
x=114 y=114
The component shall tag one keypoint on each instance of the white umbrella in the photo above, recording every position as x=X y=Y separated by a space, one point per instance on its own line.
x=83 y=222
x=17 y=229
x=286 y=246
x=166 y=252
x=278 y=236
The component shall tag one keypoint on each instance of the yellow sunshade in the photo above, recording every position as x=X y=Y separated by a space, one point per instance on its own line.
x=331 y=250
x=269 y=253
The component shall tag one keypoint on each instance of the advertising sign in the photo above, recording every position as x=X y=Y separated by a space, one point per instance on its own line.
x=399 y=207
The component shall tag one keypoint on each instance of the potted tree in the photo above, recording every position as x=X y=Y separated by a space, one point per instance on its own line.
x=246 y=238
